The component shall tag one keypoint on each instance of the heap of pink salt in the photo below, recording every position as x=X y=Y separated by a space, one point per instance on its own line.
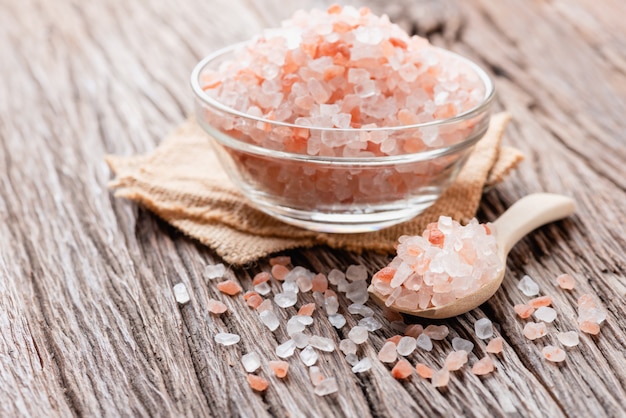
x=448 y=261
x=590 y=316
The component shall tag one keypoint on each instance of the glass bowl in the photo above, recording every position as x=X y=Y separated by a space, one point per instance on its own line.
x=270 y=161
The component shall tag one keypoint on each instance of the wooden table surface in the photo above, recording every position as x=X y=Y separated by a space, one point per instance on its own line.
x=88 y=321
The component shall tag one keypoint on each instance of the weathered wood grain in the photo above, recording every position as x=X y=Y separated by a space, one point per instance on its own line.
x=88 y=322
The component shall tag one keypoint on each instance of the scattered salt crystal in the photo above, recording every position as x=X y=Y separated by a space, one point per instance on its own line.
x=225 y=338
x=263 y=288
x=357 y=292
x=216 y=307
x=306 y=309
x=309 y=356
x=424 y=371
x=356 y=272
x=301 y=340
x=483 y=328
x=269 y=319
x=229 y=287
x=495 y=345
x=483 y=366
x=347 y=346
x=456 y=360
x=286 y=349
x=331 y=304
x=540 y=301
x=565 y=281
x=545 y=314
x=402 y=369
x=279 y=367
x=362 y=365
x=343 y=284
x=261 y=277
x=413 y=330
x=523 y=311
x=305 y=283
x=290 y=287
x=316 y=375
x=285 y=299
x=266 y=305
x=352 y=359
x=359 y=309
x=370 y=323
x=533 y=330
x=319 y=283
x=388 y=353
x=528 y=286
x=281 y=259
x=322 y=343
x=406 y=346
x=569 y=338
x=589 y=327
x=395 y=339
x=337 y=320
x=554 y=354
x=257 y=383
x=335 y=276
x=460 y=344
x=441 y=378
x=586 y=301
x=214 y=271
x=436 y=332
x=294 y=326
x=180 y=293
x=279 y=272
x=424 y=342
x=326 y=387
x=251 y=362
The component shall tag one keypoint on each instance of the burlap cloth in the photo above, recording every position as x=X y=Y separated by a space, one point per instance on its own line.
x=183 y=183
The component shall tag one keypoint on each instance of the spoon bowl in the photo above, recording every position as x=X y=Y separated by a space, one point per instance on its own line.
x=524 y=216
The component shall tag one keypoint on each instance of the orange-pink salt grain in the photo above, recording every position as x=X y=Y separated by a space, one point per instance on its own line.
x=402 y=369
x=540 y=301
x=279 y=368
x=261 y=277
x=307 y=309
x=565 y=281
x=413 y=330
x=589 y=327
x=424 y=371
x=279 y=272
x=495 y=345
x=229 y=287
x=320 y=283
x=456 y=360
x=257 y=383
x=281 y=259
x=216 y=307
x=254 y=301
x=586 y=301
x=554 y=354
x=523 y=311
x=395 y=339
x=533 y=330
x=440 y=378
x=483 y=366
x=249 y=294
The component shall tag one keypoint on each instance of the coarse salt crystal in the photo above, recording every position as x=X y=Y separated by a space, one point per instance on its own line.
x=216 y=307
x=456 y=360
x=322 y=343
x=565 y=281
x=225 y=338
x=251 y=362
x=402 y=369
x=388 y=353
x=406 y=346
x=436 y=332
x=309 y=356
x=359 y=309
x=307 y=309
x=533 y=330
x=424 y=371
x=424 y=342
x=326 y=387
x=495 y=345
x=335 y=276
x=460 y=344
x=257 y=383
x=279 y=272
x=180 y=293
x=483 y=366
x=301 y=339
x=286 y=349
x=569 y=338
x=286 y=299
x=523 y=311
x=266 y=305
x=554 y=354
x=331 y=304
x=483 y=328
x=337 y=320
x=540 y=301
x=356 y=273
x=358 y=334
x=362 y=365
x=316 y=375
x=290 y=287
x=528 y=286
x=370 y=323
x=352 y=359
x=229 y=287
x=319 y=283
x=281 y=259
x=545 y=314
x=440 y=378
x=413 y=330
x=215 y=271
x=263 y=288
x=269 y=319
x=279 y=367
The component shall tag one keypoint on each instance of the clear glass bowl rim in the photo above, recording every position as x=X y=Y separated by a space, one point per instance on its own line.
x=483 y=106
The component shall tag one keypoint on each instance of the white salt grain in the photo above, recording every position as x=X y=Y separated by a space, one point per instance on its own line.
x=286 y=299
x=370 y=323
x=528 y=286
x=315 y=375
x=347 y=347
x=215 y=271
x=337 y=320
x=568 y=339
x=356 y=272
x=460 y=344
x=286 y=349
x=251 y=362
x=225 y=338
x=326 y=387
x=359 y=309
x=263 y=288
x=352 y=359
x=334 y=276
x=290 y=287
x=302 y=340
x=424 y=342
x=545 y=314
x=294 y=326
x=309 y=356
x=322 y=343
x=358 y=334
x=331 y=304
x=180 y=293
x=362 y=366
x=270 y=319
x=406 y=346
x=305 y=283
x=357 y=292
x=483 y=329
x=319 y=299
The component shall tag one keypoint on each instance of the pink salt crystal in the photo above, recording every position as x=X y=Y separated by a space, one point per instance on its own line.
x=495 y=345
x=523 y=311
x=565 y=281
x=402 y=369
x=483 y=366
x=424 y=371
x=589 y=327
x=266 y=305
x=257 y=383
x=229 y=287
x=437 y=332
x=388 y=353
x=279 y=368
x=456 y=360
x=316 y=375
x=261 y=277
x=540 y=301
x=216 y=307
x=395 y=339
x=320 y=283
x=307 y=309
x=254 y=301
x=413 y=330
x=441 y=378
x=533 y=330
x=249 y=294
x=281 y=259
x=554 y=354
x=586 y=301
x=279 y=272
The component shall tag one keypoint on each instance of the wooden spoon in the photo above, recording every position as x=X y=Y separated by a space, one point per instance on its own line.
x=525 y=215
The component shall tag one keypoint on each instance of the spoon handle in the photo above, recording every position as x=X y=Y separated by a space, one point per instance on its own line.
x=528 y=213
